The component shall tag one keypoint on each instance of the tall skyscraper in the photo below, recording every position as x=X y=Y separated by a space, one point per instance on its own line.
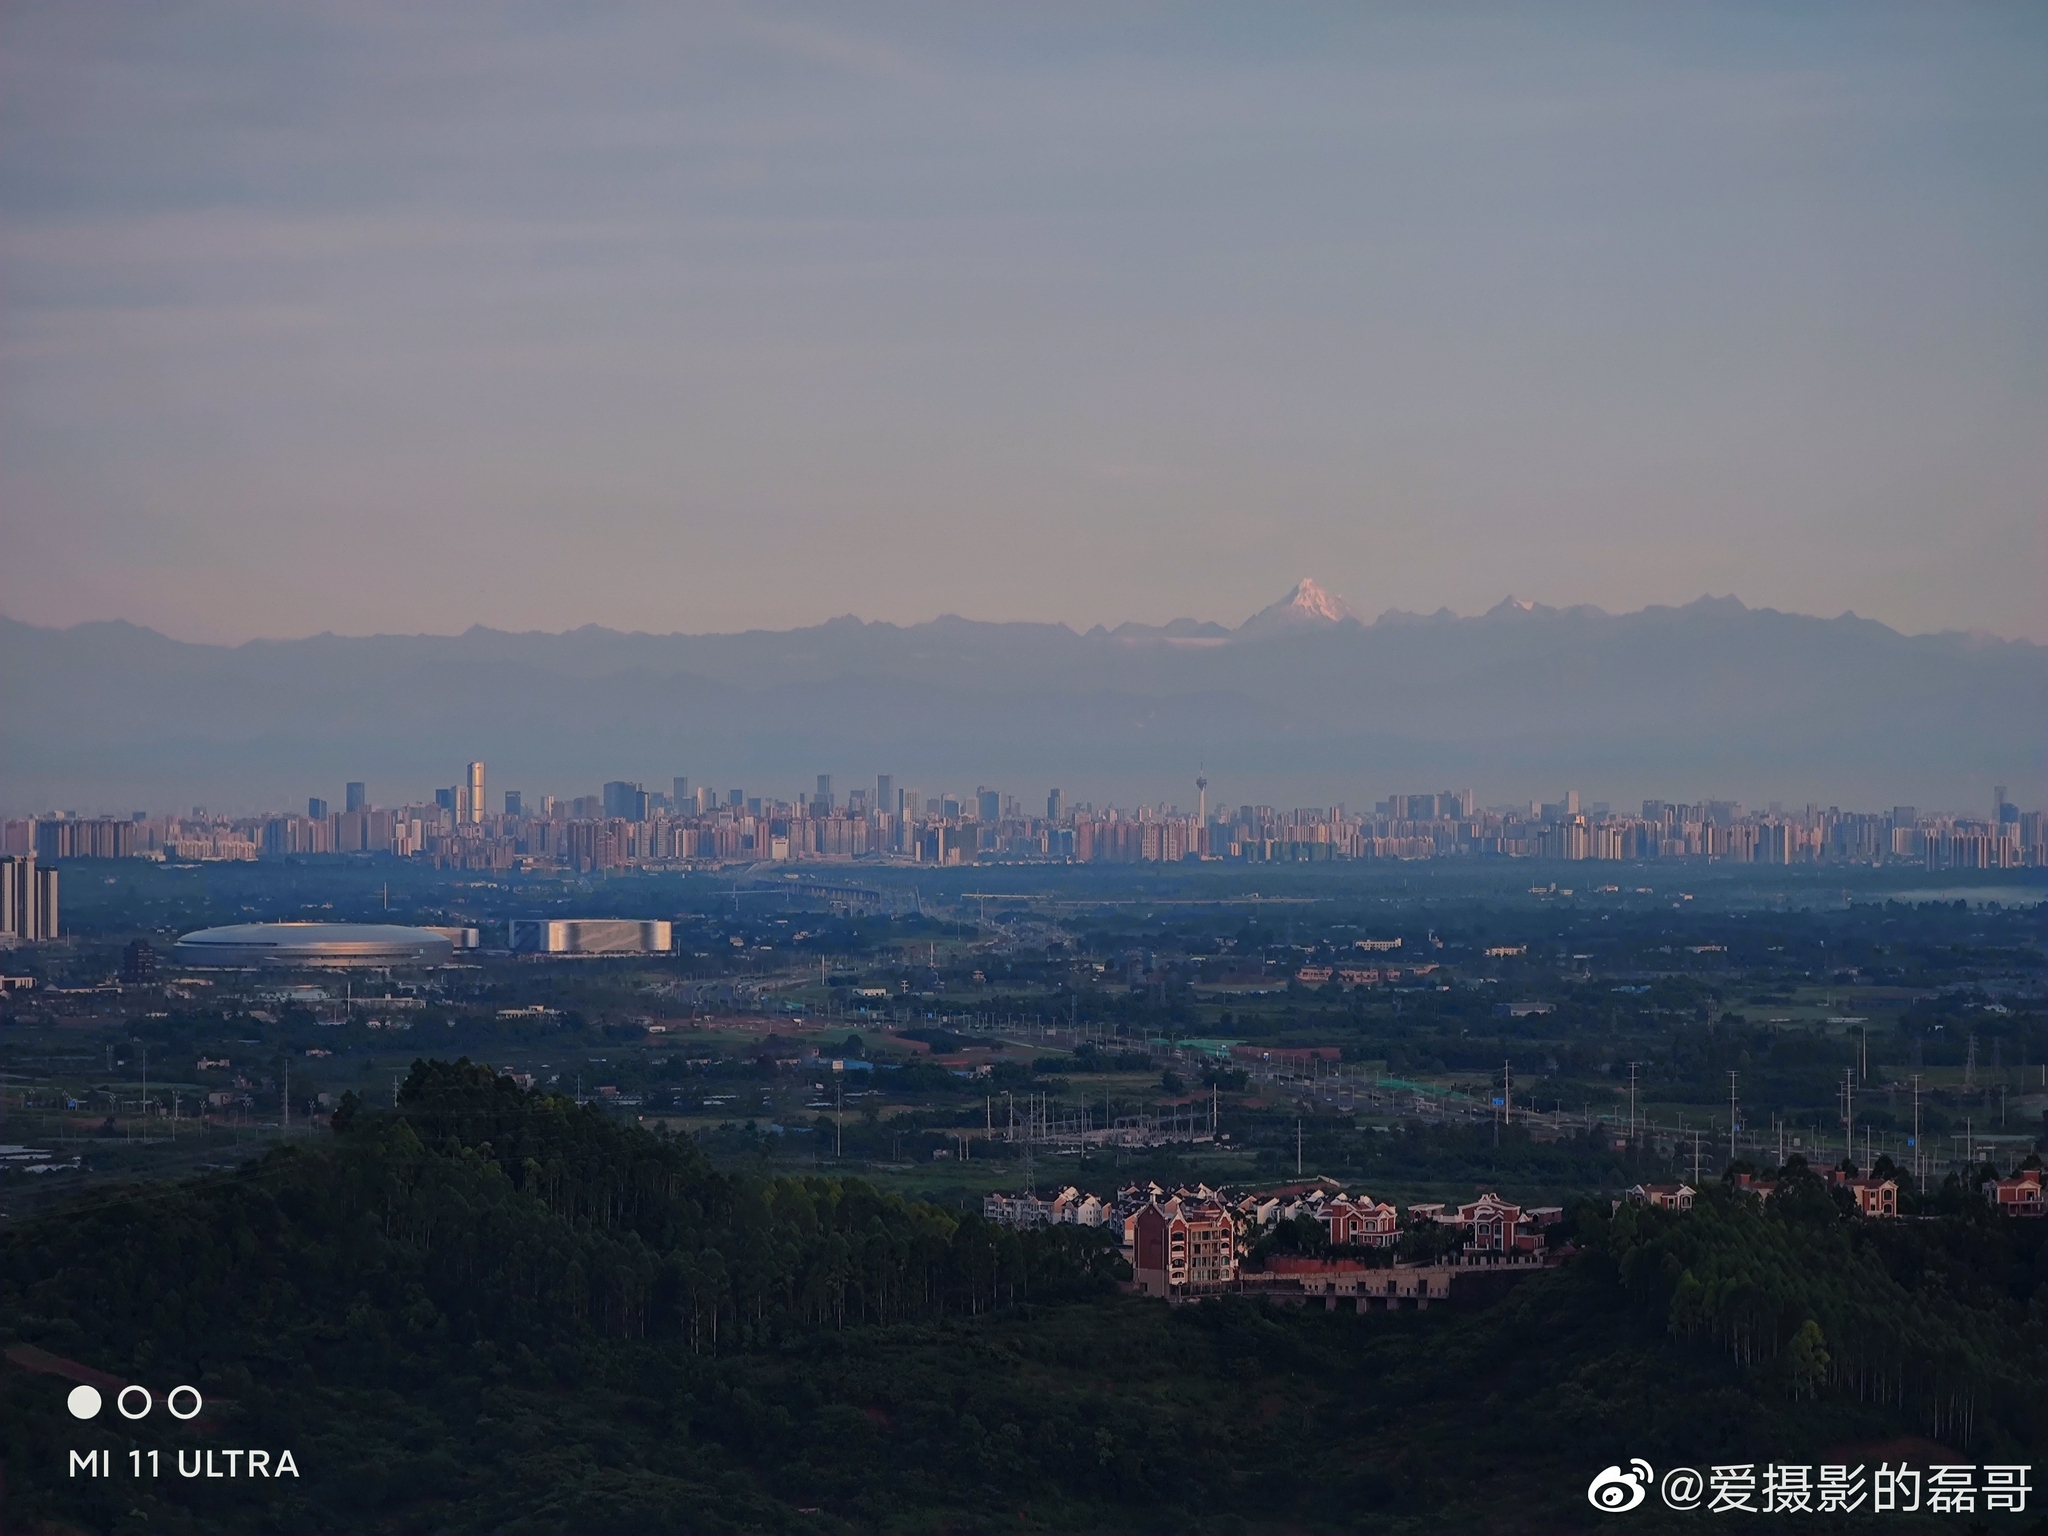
x=885 y=793
x=316 y=808
x=17 y=894
x=1054 y=805
x=28 y=899
x=354 y=796
x=821 y=802
x=988 y=804
x=514 y=805
x=1571 y=802
x=683 y=794
x=736 y=798
x=476 y=792
x=624 y=801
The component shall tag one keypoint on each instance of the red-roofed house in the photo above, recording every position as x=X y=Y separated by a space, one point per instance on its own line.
x=1359 y=1222
x=1496 y=1235
x=2019 y=1195
x=1873 y=1197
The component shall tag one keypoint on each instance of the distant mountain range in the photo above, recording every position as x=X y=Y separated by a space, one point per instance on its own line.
x=1303 y=703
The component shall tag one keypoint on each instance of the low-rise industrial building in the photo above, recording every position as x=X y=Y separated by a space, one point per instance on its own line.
x=589 y=936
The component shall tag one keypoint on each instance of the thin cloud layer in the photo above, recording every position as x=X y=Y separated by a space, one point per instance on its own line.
x=382 y=318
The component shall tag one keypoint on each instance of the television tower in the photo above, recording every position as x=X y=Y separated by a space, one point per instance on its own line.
x=1202 y=809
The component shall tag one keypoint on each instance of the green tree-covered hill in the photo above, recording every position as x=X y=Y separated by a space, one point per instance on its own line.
x=491 y=1310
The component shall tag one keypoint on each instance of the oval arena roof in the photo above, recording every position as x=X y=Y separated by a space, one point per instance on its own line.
x=253 y=944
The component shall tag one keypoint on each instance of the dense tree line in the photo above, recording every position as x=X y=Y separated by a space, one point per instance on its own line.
x=1947 y=1320
x=491 y=1310
x=643 y=1235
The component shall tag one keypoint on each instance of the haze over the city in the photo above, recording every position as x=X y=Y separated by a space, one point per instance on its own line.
x=701 y=319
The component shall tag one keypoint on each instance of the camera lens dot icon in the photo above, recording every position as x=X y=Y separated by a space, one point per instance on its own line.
x=84 y=1402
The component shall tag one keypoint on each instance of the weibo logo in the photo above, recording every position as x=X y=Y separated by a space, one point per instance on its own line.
x=1616 y=1491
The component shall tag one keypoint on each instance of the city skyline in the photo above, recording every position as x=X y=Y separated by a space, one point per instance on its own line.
x=913 y=767
x=696 y=825
x=917 y=795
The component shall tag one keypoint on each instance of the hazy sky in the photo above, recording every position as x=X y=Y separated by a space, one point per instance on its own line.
x=371 y=316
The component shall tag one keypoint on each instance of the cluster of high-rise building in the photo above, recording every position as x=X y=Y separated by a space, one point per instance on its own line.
x=627 y=824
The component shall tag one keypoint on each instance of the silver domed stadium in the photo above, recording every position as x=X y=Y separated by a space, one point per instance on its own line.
x=245 y=945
